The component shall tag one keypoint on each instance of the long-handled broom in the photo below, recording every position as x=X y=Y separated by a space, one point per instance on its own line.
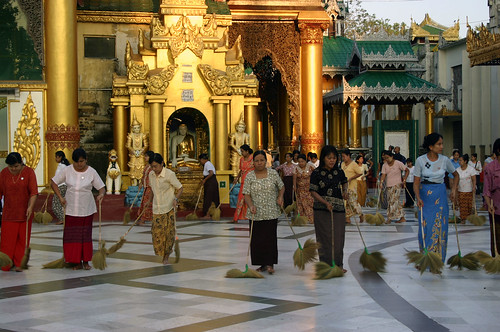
x=413 y=200
x=468 y=261
x=474 y=218
x=377 y=218
x=27 y=249
x=248 y=273
x=490 y=264
x=126 y=215
x=215 y=213
x=374 y=261
x=299 y=220
x=193 y=215
x=177 y=248
x=38 y=218
x=324 y=270
x=58 y=263
x=425 y=259
x=304 y=254
x=99 y=257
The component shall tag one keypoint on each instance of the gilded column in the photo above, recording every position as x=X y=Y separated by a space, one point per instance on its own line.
x=251 y=120
x=285 y=143
x=260 y=135
x=429 y=116
x=120 y=130
x=61 y=74
x=355 y=123
x=156 y=123
x=311 y=66
x=404 y=111
x=337 y=125
x=378 y=112
x=221 y=133
x=344 y=126
x=270 y=137
x=330 y=130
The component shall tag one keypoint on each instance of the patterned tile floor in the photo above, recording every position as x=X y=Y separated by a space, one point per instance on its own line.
x=136 y=293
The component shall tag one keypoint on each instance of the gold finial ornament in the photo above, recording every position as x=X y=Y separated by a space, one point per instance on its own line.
x=27 y=136
x=135 y=122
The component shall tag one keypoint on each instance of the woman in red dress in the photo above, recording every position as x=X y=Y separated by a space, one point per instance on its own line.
x=301 y=181
x=146 y=195
x=18 y=188
x=246 y=165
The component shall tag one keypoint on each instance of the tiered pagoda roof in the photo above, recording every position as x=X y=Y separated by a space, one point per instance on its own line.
x=432 y=30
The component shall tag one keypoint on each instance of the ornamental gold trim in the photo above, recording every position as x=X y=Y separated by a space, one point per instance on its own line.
x=312 y=32
x=218 y=81
x=88 y=16
x=27 y=136
x=62 y=136
x=483 y=46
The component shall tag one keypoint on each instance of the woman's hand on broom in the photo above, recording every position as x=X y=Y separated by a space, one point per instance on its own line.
x=491 y=208
x=99 y=198
x=420 y=203
x=253 y=209
x=279 y=201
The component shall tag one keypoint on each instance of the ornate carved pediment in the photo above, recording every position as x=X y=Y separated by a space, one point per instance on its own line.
x=483 y=46
x=136 y=69
x=388 y=58
x=157 y=83
x=27 y=136
x=185 y=35
x=218 y=81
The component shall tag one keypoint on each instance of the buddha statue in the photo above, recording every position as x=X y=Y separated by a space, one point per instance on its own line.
x=182 y=149
x=237 y=139
x=137 y=143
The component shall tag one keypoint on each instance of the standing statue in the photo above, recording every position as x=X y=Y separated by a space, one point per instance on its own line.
x=236 y=140
x=137 y=143
x=113 y=174
x=182 y=147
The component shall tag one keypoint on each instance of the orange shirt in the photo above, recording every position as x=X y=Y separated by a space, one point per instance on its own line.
x=16 y=191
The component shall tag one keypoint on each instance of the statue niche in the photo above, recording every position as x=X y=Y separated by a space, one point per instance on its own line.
x=182 y=149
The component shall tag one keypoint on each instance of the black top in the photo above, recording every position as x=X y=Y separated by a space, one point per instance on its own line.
x=327 y=183
x=400 y=157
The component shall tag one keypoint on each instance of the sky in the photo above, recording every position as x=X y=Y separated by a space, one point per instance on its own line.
x=445 y=12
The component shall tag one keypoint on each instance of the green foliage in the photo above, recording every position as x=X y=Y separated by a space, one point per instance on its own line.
x=17 y=54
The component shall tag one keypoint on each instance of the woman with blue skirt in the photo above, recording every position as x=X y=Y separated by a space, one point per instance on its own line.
x=430 y=193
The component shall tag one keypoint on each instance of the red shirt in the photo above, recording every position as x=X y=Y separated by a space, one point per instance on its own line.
x=16 y=191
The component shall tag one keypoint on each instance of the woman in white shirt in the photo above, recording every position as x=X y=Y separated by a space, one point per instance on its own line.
x=210 y=185
x=80 y=208
x=476 y=164
x=57 y=207
x=466 y=186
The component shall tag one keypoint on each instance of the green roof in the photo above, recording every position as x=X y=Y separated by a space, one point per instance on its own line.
x=337 y=51
x=387 y=78
x=382 y=46
x=432 y=30
x=122 y=5
x=217 y=7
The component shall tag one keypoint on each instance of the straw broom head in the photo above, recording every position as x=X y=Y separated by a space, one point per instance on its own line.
x=298 y=259
x=99 y=258
x=38 y=217
x=469 y=261
x=117 y=246
x=482 y=257
x=216 y=214
x=192 y=216
x=57 y=264
x=5 y=260
x=46 y=218
x=476 y=220
x=126 y=217
x=492 y=266
x=310 y=251
x=374 y=261
x=248 y=273
x=211 y=209
x=26 y=258
x=325 y=271
x=370 y=219
x=380 y=218
x=177 y=250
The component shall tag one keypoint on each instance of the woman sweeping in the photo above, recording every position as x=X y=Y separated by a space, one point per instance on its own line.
x=391 y=172
x=145 y=209
x=57 y=207
x=328 y=183
x=18 y=188
x=466 y=187
x=210 y=185
x=286 y=170
x=301 y=181
x=264 y=196
x=165 y=193
x=430 y=192
x=352 y=171
x=80 y=208
x=246 y=165
x=491 y=191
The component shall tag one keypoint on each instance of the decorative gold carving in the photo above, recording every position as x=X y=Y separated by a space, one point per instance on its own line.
x=185 y=36
x=113 y=17
x=156 y=84
x=62 y=136
x=483 y=46
x=33 y=9
x=157 y=27
x=136 y=69
x=217 y=80
x=183 y=2
x=145 y=44
x=312 y=142
x=4 y=154
x=3 y=102
x=311 y=32
x=209 y=28
x=280 y=41
x=27 y=136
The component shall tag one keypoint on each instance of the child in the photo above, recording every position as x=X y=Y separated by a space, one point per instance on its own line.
x=410 y=194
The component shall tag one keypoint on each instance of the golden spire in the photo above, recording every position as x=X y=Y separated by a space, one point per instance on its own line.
x=135 y=122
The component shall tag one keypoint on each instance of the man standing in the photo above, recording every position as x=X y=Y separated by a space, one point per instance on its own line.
x=398 y=156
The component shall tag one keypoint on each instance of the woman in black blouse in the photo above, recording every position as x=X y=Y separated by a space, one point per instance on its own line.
x=326 y=183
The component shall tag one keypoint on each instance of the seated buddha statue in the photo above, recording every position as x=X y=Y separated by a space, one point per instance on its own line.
x=182 y=150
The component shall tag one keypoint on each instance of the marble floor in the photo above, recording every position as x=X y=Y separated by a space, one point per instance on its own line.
x=136 y=293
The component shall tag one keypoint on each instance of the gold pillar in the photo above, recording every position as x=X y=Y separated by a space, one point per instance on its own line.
x=337 y=125
x=311 y=66
x=404 y=111
x=156 y=123
x=221 y=133
x=330 y=130
x=285 y=143
x=429 y=117
x=378 y=112
x=355 y=123
x=251 y=120
x=120 y=130
x=61 y=74
x=270 y=137
x=344 y=126
x=260 y=136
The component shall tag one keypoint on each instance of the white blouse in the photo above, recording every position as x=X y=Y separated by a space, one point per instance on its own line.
x=60 y=168
x=80 y=201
